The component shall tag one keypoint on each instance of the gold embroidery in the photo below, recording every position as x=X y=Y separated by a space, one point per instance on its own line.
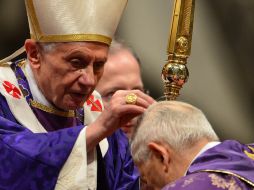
x=218 y=181
x=52 y=110
x=223 y=183
x=230 y=173
x=21 y=63
x=173 y=184
x=250 y=154
x=7 y=64
x=187 y=182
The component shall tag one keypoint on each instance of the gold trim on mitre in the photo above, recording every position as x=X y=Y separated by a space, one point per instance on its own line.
x=73 y=37
x=33 y=19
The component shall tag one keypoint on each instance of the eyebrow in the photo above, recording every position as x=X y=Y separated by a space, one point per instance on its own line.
x=113 y=90
x=101 y=59
x=82 y=54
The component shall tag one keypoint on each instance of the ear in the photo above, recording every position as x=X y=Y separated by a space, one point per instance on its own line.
x=162 y=153
x=33 y=53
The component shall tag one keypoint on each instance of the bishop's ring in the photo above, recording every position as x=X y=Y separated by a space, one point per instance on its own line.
x=131 y=98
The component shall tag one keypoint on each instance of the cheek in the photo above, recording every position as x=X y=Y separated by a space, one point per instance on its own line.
x=155 y=176
x=98 y=75
x=52 y=73
x=105 y=103
x=67 y=80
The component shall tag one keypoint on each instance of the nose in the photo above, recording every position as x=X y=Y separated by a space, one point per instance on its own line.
x=87 y=77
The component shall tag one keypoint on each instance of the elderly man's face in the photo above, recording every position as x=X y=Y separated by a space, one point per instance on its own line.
x=163 y=166
x=121 y=72
x=152 y=174
x=67 y=75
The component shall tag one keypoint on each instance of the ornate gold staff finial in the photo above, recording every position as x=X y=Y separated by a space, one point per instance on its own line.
x=175 y=72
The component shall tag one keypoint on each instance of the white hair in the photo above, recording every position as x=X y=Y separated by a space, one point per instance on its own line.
x=48 y=47
x=115 y=47
x=178 y=124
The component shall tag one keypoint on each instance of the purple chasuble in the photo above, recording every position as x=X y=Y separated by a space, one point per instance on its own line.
x=229 y=165
x=120 y=169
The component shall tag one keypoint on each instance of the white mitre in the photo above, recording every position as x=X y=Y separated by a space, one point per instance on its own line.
x=74 y=20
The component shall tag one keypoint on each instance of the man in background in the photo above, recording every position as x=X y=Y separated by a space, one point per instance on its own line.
x=176 y=148
x=122 y=71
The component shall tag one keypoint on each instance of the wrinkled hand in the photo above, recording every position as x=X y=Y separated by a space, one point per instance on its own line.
x=117 y=113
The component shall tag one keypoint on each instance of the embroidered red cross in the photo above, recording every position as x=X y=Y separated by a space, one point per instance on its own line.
x=12 y=89
x=96 y=105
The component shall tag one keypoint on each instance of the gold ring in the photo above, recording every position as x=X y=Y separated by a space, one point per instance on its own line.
x=131 y=98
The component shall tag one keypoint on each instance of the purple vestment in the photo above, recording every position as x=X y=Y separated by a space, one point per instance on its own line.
x=32 y=161
x=229 y=165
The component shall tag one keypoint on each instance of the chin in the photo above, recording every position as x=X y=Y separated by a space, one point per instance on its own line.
x=70 y=103
x=75 y=105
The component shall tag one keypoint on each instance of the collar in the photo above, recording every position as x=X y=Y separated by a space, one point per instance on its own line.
x=205 y=148
x=35 y=91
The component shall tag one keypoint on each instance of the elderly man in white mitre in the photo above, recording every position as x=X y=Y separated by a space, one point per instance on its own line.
x=52 y=135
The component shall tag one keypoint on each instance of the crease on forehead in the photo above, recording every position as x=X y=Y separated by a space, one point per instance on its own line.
x=49 y=46
x=88 y=49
